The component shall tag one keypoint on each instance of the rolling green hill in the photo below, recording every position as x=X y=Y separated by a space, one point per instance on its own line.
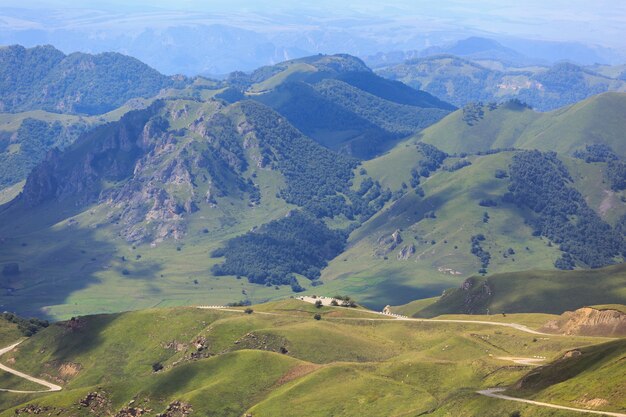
x=342 y=104
x=209 y=172
x=417 y=246
x=276 y=361
x=174 y=203
x=597 y=369
x=595 y=120
x=552 y=292
x=242 y=192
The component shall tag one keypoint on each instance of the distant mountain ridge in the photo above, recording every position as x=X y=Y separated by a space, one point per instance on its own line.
x=462 y=80
x=43 y=78
x=338 y=101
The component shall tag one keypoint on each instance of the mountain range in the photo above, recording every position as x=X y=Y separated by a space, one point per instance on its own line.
x=477 y=78
x=309 y=238
x=312 y=172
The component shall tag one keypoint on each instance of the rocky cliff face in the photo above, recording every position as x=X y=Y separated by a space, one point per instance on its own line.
x=589 y=321
x=108 y=153
x=157 y=167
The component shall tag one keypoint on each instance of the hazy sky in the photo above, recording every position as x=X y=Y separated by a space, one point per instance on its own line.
x=218 y=36
x=597 y=22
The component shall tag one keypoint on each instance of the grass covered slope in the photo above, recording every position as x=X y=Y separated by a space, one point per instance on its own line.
x=128 y=216
x=342 y=104
x=435 y=251
x=552 y=292
x=271 y=362
x=592 y=377
x=597 y=119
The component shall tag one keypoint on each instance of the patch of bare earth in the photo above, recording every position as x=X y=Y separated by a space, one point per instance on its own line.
x=297 y=372
x=607 y=203
x=592 y=403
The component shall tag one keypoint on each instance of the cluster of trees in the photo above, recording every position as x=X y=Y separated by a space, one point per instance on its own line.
x=397 y=119
x=432 y=161
x=315 y=176
x=478 y=251
x=541 y=182
x=34 y=138
x=615 y=169
x=488 y=202
x=616 y=174
x=597 y=152
x=28 y=327
x=473 y=113
x=298 y=243
x=462 y=163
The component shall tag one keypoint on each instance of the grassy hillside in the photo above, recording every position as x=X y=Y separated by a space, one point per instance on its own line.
x=436 y=230
x=551 y=292
x=212 y=172
x=377 y=273
x=595 y=120
x=272 y=362
x=598 y=371
x=340 y=103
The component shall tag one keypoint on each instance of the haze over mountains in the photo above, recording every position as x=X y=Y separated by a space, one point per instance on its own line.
x=165 y=34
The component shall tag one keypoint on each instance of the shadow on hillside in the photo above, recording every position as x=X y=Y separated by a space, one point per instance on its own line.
x=56 y=261
x=395 y=291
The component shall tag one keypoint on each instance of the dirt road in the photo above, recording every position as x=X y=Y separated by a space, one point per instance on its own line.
x=51 y=387
x=495 y=393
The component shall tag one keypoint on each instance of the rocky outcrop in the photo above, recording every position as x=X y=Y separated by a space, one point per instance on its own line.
x=589 y=321
x=108 y=153
x=406 y=252
x=388 y=243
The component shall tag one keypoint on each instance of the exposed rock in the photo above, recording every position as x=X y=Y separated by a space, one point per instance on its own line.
x=132 y=412
x=406 y=252
x=262 y=341
x=32 y=409
x=388 y=243
x=96 y=402
x=177 y=409
x=74 y=324
x=589 y=321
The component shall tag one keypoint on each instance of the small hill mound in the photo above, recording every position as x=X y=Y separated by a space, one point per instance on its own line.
x=590 y=377
x=553 y=292
x=589 y=321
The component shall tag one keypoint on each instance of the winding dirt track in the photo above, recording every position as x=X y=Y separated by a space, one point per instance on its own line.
x=51 y=387
x=495 y=393
x=492 y=392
